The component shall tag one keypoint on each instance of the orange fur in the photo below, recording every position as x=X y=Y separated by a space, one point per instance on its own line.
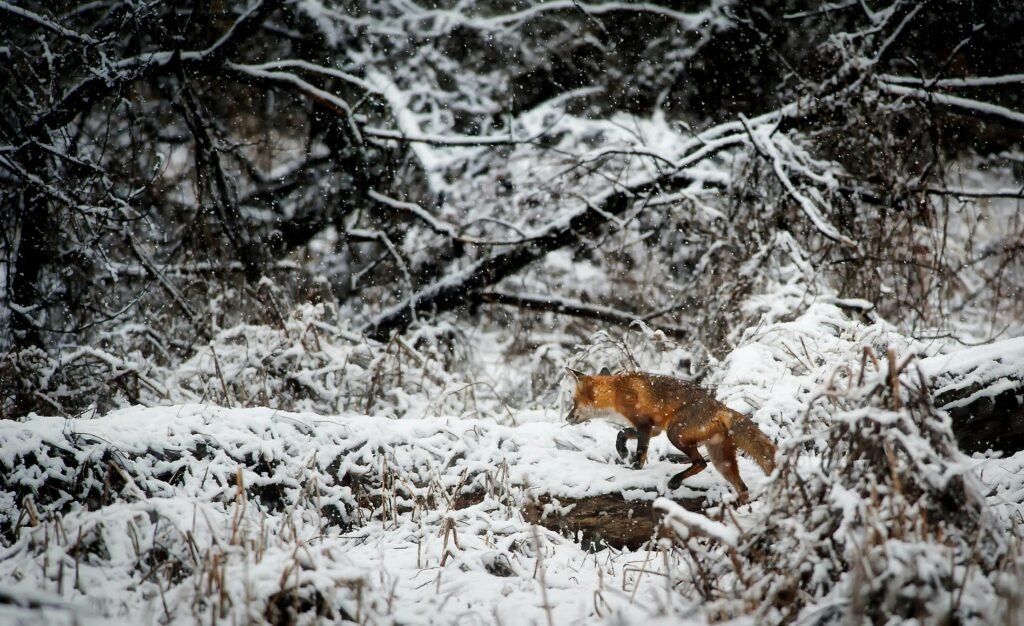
x=689 y=415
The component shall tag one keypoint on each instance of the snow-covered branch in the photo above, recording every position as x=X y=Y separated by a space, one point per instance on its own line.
x=957 y=104
x=45 y=22
x=443 y=141
x=966 y=82
x=454 y=289
x=141 y=67
x=321 y=96
x=1017 y=193
x=575 y=308
x=416 y=211
x=764 y=142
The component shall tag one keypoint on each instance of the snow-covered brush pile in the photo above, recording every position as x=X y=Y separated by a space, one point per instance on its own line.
x=305 y=361
x=873 y=516
x=200 y=513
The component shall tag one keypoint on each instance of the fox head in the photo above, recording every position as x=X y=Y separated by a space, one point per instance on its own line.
x=583 y=405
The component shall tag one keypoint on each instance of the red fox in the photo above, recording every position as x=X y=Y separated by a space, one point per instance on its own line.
x=648 y=404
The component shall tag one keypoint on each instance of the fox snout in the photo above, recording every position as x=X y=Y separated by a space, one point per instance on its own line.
x=578 y=416
x=573 y=417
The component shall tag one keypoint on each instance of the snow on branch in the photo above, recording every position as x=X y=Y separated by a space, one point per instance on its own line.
x=453 y=290
x=443 y=141
x=450 y=19
x=1009 y=193
x=230 y=41
x=45 y=22
x=417 y=211
x=687 y=20
x=894 y=36
x=763 y=141
x=316 y=69
x=687 y=523
x=321 y=96
x=825 y=9
x=101 y=84
x=966 y=82
x=965 y=106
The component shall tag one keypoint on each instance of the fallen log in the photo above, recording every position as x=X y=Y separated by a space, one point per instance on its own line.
x=982 y=389
x=607 y=519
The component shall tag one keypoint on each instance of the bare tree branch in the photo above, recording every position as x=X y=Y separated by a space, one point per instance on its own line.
x=152 y=271
x=574 y=308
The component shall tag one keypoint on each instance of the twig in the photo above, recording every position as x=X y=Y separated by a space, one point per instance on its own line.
x=894 y=382
x=160 y=278
x=540 y=569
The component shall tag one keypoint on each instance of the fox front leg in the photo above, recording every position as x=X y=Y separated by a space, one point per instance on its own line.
x=620 y=441
x=643 y=440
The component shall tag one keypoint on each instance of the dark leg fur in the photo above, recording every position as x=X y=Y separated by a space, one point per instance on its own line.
x=698 y=466
x=620 y=441
x=643 y=440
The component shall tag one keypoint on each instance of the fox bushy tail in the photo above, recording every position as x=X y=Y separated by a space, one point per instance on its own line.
x=755 y=443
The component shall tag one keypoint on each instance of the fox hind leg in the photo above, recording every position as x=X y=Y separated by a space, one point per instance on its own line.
x=698 y=465
x=723 y=457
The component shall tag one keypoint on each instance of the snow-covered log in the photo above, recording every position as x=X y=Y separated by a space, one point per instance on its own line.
x=982 y=388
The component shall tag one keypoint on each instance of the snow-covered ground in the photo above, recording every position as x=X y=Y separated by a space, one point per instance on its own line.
x=197 y=513
x=393 y=559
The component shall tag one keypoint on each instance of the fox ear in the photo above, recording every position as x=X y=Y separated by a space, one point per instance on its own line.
x=576 y=375
x=605 y=372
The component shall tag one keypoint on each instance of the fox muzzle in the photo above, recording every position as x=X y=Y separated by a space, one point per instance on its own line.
x=573 y=417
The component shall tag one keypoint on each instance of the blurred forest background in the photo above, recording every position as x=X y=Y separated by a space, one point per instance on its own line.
x=223 y=201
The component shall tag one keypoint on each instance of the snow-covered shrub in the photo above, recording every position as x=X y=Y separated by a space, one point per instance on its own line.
x=305 y=360
x=308 y=362
x=207 y=512
x=888 y=524
x=80 y=378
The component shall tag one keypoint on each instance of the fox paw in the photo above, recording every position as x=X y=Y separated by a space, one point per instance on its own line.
x=631 y=460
